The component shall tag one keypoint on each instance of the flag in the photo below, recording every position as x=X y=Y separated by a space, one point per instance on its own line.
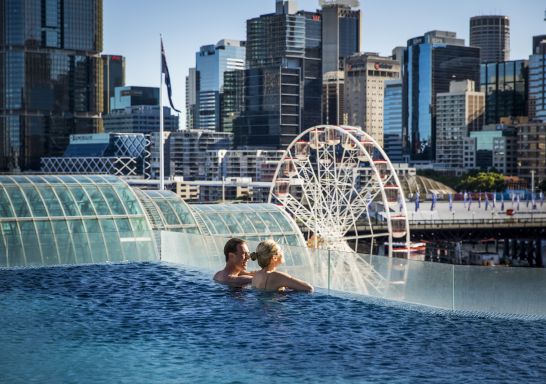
x=502 y=202
x=534 y=205
x=517 y=201
x=541 y=199
x=165 y=71
x=479 y=200
x=400 y=202
x=465 y=197
x=486 y=201
x=416 y=201
x=493 y=205
x=526 y=201
x=450 y=197
x=433 y=204
x=469 y=200
x=513 y=195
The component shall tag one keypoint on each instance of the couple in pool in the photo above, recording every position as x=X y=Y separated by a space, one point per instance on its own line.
x=269 y=255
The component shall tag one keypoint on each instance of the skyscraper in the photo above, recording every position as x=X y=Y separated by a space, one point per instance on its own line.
x=365 y=76
x=505 y=88
x=537 y=81
x=333 y=100
x=51 y=77
x=210 y=64
x=340 y=32
x=492 y=35
x=192 y=84
x=432 y=61
x=114 y=76
x=283 y=80
x=392 y=121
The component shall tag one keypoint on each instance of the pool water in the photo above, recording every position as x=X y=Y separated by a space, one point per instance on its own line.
x=161 y=323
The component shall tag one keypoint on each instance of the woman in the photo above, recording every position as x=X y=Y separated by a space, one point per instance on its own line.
x=269 y=256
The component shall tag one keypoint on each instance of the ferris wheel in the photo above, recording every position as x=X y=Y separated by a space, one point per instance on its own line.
x=340 y=185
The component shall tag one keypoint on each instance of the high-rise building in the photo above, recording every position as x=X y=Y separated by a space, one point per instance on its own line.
x=113 y=68
x=537 y=81
x=531 y=159
x=232 y=98
x=333 y=100
x=51 y=77
x=505 y=88
x=192 y=84
x=131 y=96
x=431 y=62
x=365 y=76
x=459 y=111
x=283 y=79
x=210 y=64
x=491 y=33
x=340 y=32
x=392 y=121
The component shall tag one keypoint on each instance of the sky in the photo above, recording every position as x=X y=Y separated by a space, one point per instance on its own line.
x=132 y=28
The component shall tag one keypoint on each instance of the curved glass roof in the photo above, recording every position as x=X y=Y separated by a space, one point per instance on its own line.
x=167 y=211
x=252 y=222
x=46 y=220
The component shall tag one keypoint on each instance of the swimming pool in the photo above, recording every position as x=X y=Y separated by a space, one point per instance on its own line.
x=161 y=323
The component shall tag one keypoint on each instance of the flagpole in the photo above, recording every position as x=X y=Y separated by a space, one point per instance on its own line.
x=161 y=149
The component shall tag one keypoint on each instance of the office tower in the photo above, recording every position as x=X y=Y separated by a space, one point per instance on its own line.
x=210 y=64
x=431 y=62
x=283 y=80
x=392 y=121
x=113 y=68
x=51 y=83
x=459 y=111
x=340 y=32
x=192 y=84
x=537 y=81
x=365 y=76
x=505 y=88
x=232 y=99
x=333 y=101
x=492 y=35
x=131 y=96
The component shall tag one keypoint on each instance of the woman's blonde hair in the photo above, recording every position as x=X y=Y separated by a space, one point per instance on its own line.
x=265 y=251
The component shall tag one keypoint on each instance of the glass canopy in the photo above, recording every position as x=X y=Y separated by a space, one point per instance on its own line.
x=252 y=222
x=47 y=220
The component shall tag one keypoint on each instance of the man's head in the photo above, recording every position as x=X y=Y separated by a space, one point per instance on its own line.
x=237 y=253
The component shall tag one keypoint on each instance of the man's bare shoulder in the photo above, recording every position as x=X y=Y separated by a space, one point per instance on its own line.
x=224 y=278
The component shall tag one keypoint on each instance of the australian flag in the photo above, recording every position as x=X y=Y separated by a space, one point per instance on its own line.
x=416 y=201
x=450 y=202
x=165 y=70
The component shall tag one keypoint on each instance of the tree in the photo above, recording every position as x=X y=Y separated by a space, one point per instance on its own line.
x=483 y=181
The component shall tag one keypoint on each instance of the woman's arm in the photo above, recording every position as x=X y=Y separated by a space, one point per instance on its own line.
x=285 y=280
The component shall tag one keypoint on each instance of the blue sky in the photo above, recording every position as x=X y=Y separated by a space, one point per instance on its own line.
x=132 y=28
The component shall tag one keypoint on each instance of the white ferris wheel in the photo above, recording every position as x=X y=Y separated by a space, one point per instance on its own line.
x=340 y=185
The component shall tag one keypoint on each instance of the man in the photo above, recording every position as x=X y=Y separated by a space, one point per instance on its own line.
x=234 y=273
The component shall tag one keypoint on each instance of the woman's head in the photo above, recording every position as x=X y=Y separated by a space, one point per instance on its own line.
x=265 y=252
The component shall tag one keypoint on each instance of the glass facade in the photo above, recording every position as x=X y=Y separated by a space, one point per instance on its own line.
x=492 y=35
x=283 y=82
x=537 y=82
x=49 y=220
x=51 y=75
x=212 y=61
x=232 y=98
x=505 y=87
x=114 y=76
x=340 y=35
x=392 y=120
x=431 y=62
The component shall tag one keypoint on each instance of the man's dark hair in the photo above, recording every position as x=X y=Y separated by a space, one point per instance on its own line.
x=231 y=246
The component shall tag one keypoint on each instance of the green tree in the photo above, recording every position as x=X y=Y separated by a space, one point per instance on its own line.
x=483 y=181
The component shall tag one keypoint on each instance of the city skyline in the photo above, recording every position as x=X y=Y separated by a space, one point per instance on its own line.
x=139 y=42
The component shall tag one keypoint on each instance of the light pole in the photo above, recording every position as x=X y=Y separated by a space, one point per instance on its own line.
x=532 y=182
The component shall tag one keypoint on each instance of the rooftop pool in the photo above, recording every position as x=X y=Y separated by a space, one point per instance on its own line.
x=164 y=323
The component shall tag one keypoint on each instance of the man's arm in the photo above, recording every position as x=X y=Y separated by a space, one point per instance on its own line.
x=247 y=273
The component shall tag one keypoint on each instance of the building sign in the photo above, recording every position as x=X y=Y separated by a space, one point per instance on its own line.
x=94 y=138
x=379 y=66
